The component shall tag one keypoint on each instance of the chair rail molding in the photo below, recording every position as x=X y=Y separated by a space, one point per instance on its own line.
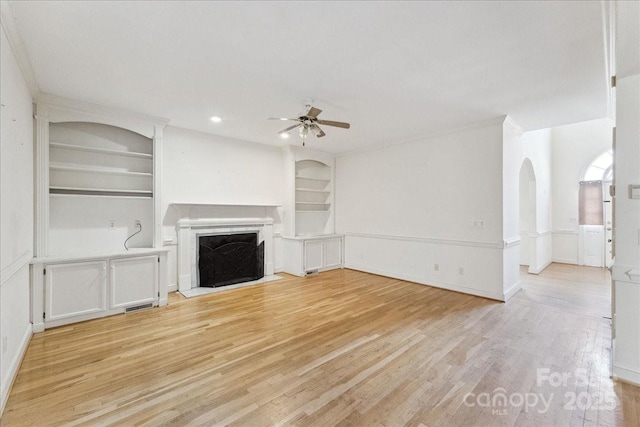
x=9 y=271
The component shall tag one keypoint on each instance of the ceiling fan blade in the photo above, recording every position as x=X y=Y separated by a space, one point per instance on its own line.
x=313 y=112
x=280 y=118
x=289 y=128
x=336 y=124
x=317 y=131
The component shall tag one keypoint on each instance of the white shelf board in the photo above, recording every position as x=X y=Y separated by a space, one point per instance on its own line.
x=314 y=203
x=314 y=211
x=309 y=190
x=309 y=178
x=259 y=205
x=69 y=168
x=98 y=192
x=106 y=190
x=73 y=147
x=110 y=196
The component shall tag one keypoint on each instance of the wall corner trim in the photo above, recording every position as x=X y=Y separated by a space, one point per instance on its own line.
x=17 y=45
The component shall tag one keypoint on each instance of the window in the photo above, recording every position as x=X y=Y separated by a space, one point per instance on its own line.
x=600 y=169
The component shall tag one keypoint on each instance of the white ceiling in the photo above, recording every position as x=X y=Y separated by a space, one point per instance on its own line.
x=395 y=70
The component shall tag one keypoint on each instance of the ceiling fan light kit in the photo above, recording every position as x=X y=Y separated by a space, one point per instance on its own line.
x=309 y=122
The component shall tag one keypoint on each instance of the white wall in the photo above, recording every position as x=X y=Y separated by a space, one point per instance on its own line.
x=203 y=168
x=626 y=268
x=407 y=207
x=574 y=147
x=16 y=214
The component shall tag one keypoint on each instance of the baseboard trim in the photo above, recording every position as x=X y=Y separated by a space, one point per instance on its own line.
x=565 y=261
x=442 y=285
x=14 y=366
x=540 y=269
x=626 y=374
x=173 y=287
x=512 y=291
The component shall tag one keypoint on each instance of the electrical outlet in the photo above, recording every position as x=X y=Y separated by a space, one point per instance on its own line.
x=461 y=271
x=112 y=224
x=436 y=267
x=138 y=223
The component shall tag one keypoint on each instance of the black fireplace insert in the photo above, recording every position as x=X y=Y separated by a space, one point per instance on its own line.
x=227 y=259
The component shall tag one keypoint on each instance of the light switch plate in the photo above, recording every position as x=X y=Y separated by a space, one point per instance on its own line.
x=634 y=191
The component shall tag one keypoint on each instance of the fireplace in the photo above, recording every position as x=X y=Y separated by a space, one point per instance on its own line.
x=227 y=259
x=190 y=231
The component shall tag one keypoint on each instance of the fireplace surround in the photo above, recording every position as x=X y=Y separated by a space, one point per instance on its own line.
x=189 y=231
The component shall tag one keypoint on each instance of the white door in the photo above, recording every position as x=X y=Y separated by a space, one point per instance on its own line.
x=592 y=237
x=134 y=281
x=76 y=289
x=332 y=253
x=608 y=234
x=312 y=255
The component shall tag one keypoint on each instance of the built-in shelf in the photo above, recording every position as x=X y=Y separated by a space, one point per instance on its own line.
x=81 y=191
x=310 y=190
x=100 y=195
x=312 y=197
x=309 y=178
x=80 y=169
x=73 y=147
x=313 y=204
x=259 y=205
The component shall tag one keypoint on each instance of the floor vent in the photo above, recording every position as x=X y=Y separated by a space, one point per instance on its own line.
x=138 y=307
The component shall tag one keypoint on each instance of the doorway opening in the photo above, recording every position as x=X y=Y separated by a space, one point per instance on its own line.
x=528 y=228
x=596 y=213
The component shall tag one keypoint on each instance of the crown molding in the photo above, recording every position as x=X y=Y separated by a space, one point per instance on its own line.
x=10 y=28
x=511 y=124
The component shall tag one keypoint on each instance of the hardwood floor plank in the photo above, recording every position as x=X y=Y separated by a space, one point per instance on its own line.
x=340 y=348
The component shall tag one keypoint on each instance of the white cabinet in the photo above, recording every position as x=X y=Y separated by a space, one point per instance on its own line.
x=303 y=255
x=69 y=290
x=332 y=253
x=133 y=281
x=312 y=255
x=76 y=289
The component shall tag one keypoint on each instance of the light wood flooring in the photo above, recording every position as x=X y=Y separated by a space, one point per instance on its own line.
x=341 y=348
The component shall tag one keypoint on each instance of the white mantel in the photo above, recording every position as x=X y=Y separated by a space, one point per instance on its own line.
x=188 y=231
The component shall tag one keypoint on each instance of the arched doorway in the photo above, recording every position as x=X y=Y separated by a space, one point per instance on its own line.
x=595 y=212
x=528 y=228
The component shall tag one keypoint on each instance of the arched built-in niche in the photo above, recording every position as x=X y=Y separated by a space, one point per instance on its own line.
x=527 y=215
x=312 y=199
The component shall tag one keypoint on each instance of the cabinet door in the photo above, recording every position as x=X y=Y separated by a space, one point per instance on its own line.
x=75 y=289
x=332 y=253
x=134 y=281
x=312 y=255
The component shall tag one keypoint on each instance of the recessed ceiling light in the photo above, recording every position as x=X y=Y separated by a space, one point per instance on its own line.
x=216 y=119
x=284 y=135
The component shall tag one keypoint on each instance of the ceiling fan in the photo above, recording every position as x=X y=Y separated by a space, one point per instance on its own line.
x=308 y=122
